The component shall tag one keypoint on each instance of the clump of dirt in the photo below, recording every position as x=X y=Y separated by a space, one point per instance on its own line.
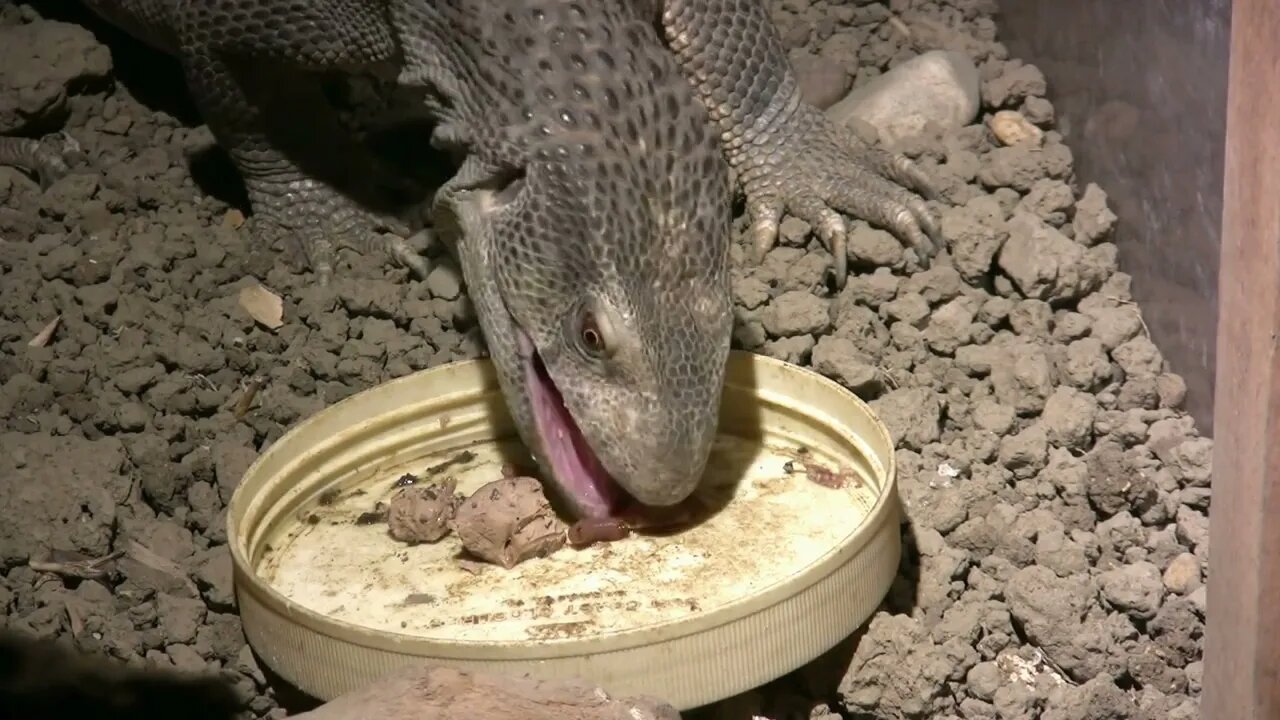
x=1057 y=495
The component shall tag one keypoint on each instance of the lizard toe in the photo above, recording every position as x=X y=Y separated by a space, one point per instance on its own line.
x=319 y=252
x=896 y=167
x=402 y=252
x=830 y=228
x=766 y=216
x=907 y=218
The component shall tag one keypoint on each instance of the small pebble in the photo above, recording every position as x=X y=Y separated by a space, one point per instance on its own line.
x=1010 y=127
x=1183 y=574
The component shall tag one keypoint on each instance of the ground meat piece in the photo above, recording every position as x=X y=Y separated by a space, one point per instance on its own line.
x=421 y=513
x=509 y=521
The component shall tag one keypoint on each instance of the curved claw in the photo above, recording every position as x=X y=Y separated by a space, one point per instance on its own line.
x=898 y=168
x=831 y=230
x=840 y=250
x=766 y=216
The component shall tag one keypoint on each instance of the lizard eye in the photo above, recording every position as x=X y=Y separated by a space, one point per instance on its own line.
x=592 y=340
x=592 y=335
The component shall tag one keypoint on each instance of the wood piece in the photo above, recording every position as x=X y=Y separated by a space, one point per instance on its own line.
x=1242 y=655
x=449 y=694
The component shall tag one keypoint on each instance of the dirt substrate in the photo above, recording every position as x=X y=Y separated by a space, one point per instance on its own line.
x=1057 y=495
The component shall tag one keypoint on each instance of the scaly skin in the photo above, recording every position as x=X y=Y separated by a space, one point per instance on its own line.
x=591 y=211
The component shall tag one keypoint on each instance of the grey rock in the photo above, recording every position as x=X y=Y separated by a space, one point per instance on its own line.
x=939 y=87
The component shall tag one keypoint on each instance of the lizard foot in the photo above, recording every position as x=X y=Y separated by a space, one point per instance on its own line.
x=316 y=222
x=49 y=158
x=811 y=168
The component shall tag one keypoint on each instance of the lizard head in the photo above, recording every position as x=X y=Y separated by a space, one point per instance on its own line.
x=598 y=264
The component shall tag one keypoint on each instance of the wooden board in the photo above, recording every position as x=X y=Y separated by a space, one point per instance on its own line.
x=1242 y=648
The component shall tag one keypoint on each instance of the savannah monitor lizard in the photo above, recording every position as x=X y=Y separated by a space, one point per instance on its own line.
x=599 y=144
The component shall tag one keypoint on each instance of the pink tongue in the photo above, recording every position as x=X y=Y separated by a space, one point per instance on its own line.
x=575 y=463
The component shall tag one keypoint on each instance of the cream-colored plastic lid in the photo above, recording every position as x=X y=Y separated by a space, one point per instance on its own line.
x=786 y=569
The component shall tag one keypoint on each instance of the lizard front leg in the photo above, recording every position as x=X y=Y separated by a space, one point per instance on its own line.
x=787 y=155
x=292 y=153
x=252 y=68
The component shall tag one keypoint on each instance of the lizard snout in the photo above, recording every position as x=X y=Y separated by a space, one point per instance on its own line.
x=668 y=468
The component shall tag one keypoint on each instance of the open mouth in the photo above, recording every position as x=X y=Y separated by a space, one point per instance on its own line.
x=594 y=492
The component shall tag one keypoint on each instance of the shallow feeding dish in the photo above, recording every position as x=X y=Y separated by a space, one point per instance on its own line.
x=786 y=568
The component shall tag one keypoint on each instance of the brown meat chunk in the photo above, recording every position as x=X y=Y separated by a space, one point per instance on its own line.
x=421 y=513
x=509 y=521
